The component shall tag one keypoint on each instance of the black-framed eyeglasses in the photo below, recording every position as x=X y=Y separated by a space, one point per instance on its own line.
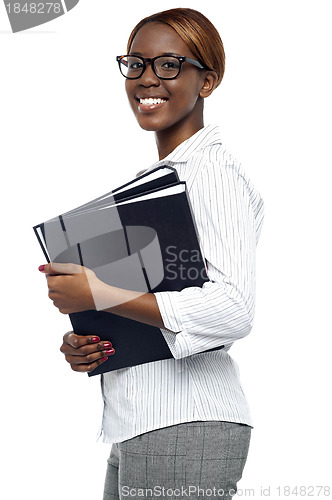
x=165 y=67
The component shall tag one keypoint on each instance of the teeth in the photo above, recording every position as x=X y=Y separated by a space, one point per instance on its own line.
x=151 y=101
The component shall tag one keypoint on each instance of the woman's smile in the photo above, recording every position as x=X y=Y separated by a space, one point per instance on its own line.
x=150 y=104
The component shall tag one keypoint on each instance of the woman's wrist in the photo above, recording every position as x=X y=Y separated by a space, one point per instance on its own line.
x=138 y=306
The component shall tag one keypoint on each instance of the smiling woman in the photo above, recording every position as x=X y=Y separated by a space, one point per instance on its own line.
x=179 y=111
x=182 y=421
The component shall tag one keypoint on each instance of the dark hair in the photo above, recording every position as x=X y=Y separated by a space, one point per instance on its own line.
x=196 y=31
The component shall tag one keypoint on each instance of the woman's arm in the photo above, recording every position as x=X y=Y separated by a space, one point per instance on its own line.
x=74 y=288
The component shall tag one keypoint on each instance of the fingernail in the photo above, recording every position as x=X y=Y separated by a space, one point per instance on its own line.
x=41 y=268
x=95 y=339
x=104 y=359
x=110 y=351
x=107 y=344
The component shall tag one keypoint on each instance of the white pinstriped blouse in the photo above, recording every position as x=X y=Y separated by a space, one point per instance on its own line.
x=198 y=385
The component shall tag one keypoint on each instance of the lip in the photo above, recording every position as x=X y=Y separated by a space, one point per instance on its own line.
x=150 y=96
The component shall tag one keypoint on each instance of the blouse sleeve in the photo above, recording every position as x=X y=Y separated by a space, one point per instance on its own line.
x=228 y=215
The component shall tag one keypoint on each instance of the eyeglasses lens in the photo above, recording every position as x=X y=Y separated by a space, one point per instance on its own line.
x=164 y=66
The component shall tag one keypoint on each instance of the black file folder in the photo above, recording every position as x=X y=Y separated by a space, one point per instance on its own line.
x=154 y=179
x=145 y=242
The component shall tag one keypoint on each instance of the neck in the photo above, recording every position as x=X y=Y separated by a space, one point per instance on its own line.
x=169 y=139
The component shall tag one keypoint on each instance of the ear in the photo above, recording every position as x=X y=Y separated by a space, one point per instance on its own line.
x=209 y=83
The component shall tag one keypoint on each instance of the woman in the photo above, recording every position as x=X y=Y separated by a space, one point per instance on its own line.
x=179 y=427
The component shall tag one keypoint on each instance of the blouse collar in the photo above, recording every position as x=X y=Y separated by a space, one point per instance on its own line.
x=207 y=136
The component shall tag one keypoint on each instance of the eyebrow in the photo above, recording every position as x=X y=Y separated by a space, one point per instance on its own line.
x=163 y=54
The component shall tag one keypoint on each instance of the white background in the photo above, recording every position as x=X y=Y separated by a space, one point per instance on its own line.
x=68 y=135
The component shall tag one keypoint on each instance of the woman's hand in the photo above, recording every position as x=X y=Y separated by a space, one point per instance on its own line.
x=71 y=287
x=85 y=353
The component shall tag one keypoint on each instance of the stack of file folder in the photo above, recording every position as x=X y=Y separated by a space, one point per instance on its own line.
x=141 y=236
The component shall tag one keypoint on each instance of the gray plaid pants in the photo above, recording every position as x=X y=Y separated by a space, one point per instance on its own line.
x=192 y=460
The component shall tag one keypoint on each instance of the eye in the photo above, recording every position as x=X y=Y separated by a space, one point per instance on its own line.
x=170 y=65
x=135 y=65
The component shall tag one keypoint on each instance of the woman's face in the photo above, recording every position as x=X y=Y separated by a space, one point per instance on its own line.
x=181 y=96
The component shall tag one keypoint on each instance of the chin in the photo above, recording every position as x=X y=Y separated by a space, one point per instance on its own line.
x=149 y=128
x=151 y=122
x=150 y=125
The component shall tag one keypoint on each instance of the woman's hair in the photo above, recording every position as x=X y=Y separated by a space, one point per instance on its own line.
x=196 y=31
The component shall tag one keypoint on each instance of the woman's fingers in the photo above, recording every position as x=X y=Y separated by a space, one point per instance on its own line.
x=86 y=367
x=88 y=359
x=78 y=341
x=85 y=353
x=55 y=268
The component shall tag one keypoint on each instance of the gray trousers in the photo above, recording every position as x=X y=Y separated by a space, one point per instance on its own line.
x=192 y=460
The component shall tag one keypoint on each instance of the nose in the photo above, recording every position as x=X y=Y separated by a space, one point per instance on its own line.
x=149 y=78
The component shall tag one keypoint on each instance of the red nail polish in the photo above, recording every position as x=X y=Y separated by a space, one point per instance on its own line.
x=95 y=339
x=104 y=359
x=41 y=268
x=110 y=351
x=107 y=344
